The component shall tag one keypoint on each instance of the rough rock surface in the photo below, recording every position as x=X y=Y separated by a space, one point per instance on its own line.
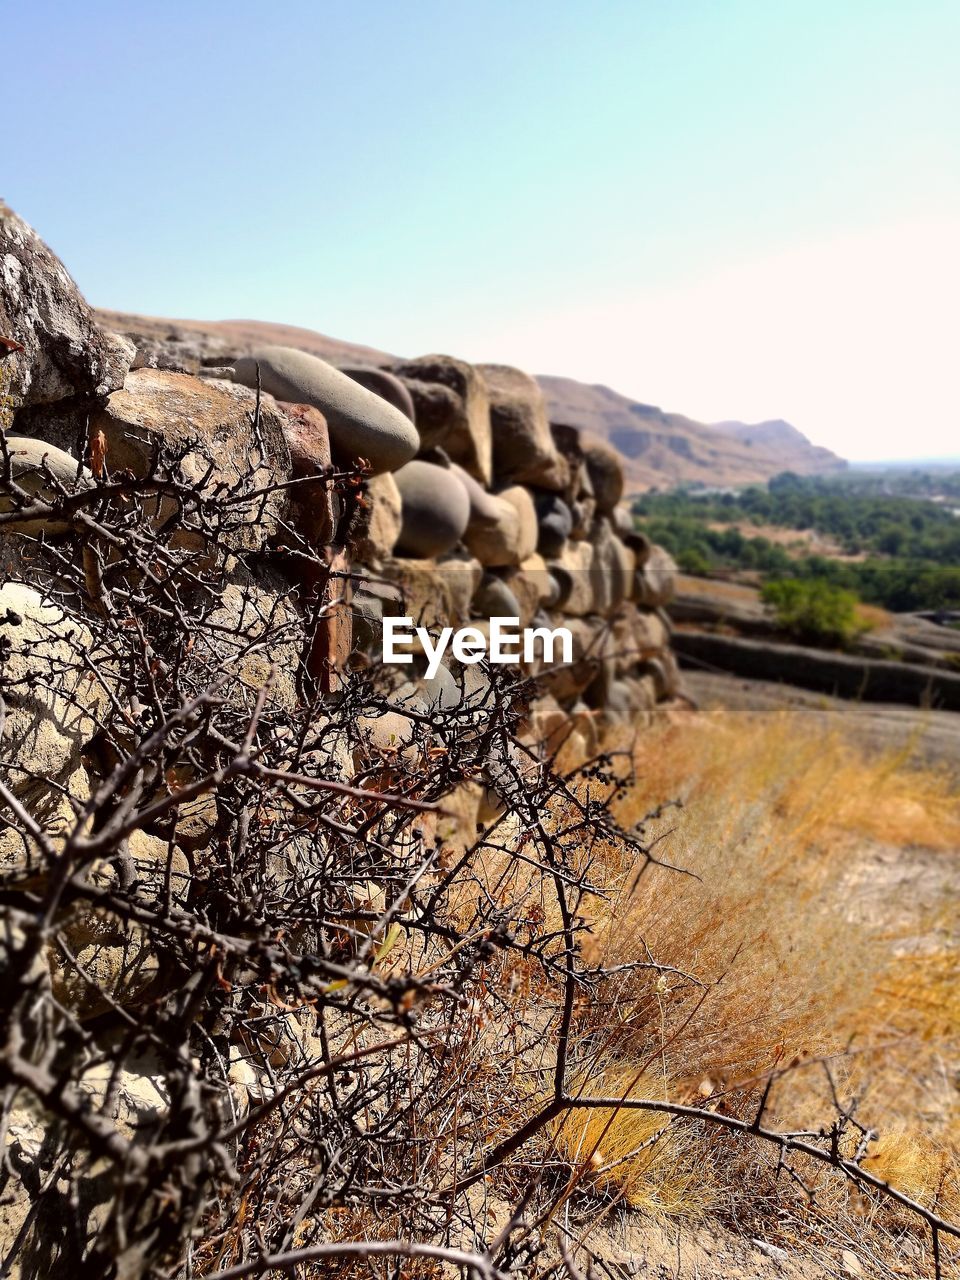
x=453 y=410
x=103 y=960
x=64 y=352
x=493 y=532
x=52 y=704
x=461 y=574
x=605 y=468
x=314 y=506
x=573 y=571
x=248 y=609
x=215 y=419
x=20 y=855
x=361 y=424
x=656 y=580
x=612 y=568
x=523 y=448
x=420 y=591
x=258 y=627
x=520 y=499
x=374 y=534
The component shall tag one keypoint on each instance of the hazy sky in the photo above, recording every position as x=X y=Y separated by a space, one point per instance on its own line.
x=736 y=209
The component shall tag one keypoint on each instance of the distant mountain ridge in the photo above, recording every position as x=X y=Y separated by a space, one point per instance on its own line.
x=660 y=449
x=665 y=449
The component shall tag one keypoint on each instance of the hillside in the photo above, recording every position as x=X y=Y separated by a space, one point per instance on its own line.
x=666 y=449
x=661 y=449
x=210 y=336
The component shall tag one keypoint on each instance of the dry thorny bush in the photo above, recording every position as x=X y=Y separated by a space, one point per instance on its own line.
x=266 y=1006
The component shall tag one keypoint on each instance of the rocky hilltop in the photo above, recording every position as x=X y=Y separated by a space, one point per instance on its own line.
x=658 y=449
x=665 y=449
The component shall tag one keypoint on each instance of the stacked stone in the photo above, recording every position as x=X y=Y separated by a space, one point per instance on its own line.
x=505 y=514
x=471 y=505
x=476 y=505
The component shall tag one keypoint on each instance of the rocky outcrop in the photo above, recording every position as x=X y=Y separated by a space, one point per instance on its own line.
x=503 y=513
x=502 y=509
x=523 y=448
x=52 y=704
x=658 y=448
x=51 y=347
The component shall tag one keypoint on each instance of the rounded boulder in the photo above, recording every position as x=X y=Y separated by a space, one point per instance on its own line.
x=383 y=384
x=41 y=470
x=556 y=524
x=605 y=468
x=361 y=423
x=53 y=704
x=435 y=509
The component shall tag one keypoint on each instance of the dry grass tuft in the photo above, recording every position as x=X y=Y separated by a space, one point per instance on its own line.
x=637 y=1157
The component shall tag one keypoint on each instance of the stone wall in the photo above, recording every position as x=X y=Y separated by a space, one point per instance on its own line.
x=318 y=501
x=471 y=503
x=477 y=506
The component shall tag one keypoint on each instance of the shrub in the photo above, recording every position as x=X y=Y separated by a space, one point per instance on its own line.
x=814 y=611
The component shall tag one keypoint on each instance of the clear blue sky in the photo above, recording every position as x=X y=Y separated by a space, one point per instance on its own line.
x=745 y=208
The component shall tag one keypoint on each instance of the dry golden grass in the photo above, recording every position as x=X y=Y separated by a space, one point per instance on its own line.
x=688 y=585
x=872 y=616
x=637 y=1157
x=772 y=959
x=775 y=960
x=798 y=773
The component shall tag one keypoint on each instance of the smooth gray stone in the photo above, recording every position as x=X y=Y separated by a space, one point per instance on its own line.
x=556 y=524
x=442 y=692
x=30 y=461
x=361 y=424
x=495 y=599
x=435 y=509
x=370 y=602
x=564 y=583
x=383 y=384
